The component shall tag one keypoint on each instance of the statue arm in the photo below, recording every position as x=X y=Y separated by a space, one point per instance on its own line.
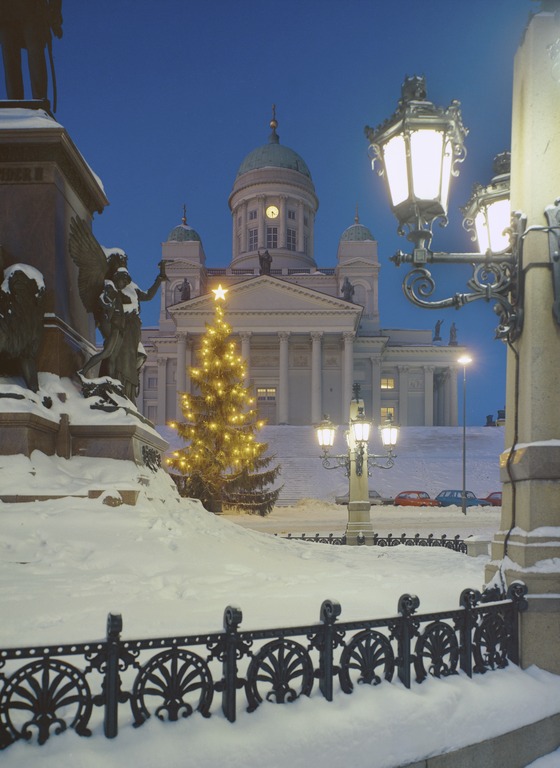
x=55 y=17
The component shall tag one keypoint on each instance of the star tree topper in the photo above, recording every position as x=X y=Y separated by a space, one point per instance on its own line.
x=219 y=293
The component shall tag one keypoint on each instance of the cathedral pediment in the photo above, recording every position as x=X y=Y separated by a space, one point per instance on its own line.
x=266 y=303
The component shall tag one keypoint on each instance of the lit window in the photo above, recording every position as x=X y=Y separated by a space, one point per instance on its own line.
x=266 y=394
x=387 y=413
x=388 y=383
x=292 y=215
x=291 y=240
x=252 y=215
x=253 y=239
x=272 y=237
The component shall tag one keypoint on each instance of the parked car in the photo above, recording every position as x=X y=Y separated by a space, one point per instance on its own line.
x=374 y=498
x=415 y=499
x=495 y=498
x=447 y=498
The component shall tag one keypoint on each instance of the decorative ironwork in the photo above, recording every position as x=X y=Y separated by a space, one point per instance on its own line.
x=456 y=544
x=277 y=667
x=46 y=690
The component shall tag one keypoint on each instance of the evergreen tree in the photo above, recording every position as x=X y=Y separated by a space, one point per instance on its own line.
x=222 y=463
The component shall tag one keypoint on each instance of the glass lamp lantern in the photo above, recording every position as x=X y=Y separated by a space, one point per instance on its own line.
x=488 y=212
x=418 y=149
x=360 y=427
x=325 y=432
x=389 y=434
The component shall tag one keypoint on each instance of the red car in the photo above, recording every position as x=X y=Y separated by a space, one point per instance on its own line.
x=415 y=499
x=495 y=498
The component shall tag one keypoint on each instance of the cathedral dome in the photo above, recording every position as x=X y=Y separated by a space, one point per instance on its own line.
x=357 y=233
x=183 y=233
x=274 y=155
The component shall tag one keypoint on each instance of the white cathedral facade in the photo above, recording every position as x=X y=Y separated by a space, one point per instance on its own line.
x=306 y=332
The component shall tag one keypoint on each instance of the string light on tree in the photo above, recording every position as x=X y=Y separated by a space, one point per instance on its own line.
x=222 y=463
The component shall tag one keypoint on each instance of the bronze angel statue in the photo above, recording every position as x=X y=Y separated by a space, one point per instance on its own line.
x=106 y=290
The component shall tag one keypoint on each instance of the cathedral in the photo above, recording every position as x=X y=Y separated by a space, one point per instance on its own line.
x=306 y=332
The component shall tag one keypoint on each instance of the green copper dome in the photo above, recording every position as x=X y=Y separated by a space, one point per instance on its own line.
x=273 y=155
x=357 y=233
x=183 y=232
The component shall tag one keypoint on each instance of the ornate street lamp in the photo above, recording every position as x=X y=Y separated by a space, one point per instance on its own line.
x=355 y=461
x=422 y=140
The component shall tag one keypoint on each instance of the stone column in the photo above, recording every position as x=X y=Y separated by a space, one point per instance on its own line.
x=246 y=355
x=244 y=227
x=428 y=395
x=375 y=390
x=527 y=546
x=403 y=395
x=347 y=370
x=188 y=364
x=162 y=390
x=453 y=399
x=181 y=368
x=316 y=378
x=282 y=241
x=261 y=222
x=283 y=384
x=300 y=227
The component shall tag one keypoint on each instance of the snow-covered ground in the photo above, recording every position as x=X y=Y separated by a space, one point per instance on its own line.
x=171 y=568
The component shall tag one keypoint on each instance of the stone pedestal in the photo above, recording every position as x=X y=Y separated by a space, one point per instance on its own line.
x=527 y=546
x=44 y=182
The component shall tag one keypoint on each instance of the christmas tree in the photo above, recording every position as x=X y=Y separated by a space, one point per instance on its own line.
x=222 y=463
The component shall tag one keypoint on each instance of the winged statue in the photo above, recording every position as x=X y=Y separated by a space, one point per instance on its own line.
x=107 y=291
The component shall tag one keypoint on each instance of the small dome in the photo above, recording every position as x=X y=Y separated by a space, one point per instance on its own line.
x=274 y=155
x=357 y=233
x=182 y=233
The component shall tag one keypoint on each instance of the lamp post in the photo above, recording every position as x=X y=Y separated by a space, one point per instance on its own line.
x=523 y=280
x=464 y=360
x=357 y=462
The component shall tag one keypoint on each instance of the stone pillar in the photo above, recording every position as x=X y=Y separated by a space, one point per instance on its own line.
x=347 y=370
x=403 y=395
x=375 y=390
x=316 y=378
x=453 y=400
x=283 y=384
x=162 y=389
x=282 y=237
x=181 y=368
x=261 y=222
x=428 y=395
x=300 y=227
x=246 y=355
x=188 y=364
x=527 y=546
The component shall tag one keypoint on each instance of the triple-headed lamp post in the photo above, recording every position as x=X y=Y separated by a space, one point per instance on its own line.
x=357 y=463
x=418 y=151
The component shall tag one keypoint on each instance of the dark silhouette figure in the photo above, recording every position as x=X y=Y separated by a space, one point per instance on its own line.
x=185 y=290
x=265 y=261
x=347 y=290
x=28 y=24
x=437 y=331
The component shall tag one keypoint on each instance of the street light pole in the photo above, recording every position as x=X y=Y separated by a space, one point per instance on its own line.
x=464 y=360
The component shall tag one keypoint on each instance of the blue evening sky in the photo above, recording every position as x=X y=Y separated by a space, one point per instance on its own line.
x=165 y=99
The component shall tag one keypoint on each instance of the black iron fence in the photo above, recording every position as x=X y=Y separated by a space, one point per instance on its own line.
x=87 y=686
x=456 y=543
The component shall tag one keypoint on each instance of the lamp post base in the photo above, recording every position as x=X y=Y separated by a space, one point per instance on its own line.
x=359 y=529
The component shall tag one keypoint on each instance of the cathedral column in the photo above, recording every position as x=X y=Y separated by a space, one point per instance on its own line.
x=300 y=227
x=283 y=394
x=453 y=403
x=246 y=355
x=162 y=390
x=347 y=372
x=403 y=394
x=282 y=224
x=429 y=395
x=316 y=377
x=375 y=389
x=181 y=367
x=244 y=227
x=261 y=221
